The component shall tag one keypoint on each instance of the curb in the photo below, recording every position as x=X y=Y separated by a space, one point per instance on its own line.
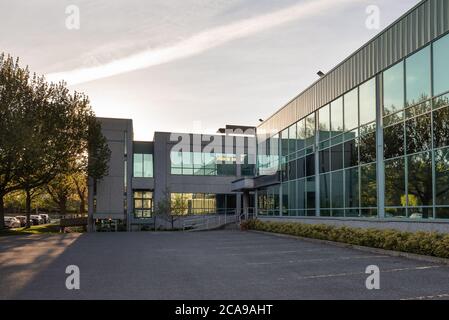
x=411 y=256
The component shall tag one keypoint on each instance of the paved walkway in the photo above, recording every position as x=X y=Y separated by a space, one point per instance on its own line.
x=205 y=265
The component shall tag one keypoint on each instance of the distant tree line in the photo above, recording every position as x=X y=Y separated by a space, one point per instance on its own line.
x=46 y=135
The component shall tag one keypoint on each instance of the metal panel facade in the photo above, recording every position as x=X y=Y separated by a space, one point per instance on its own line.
x=425 y=22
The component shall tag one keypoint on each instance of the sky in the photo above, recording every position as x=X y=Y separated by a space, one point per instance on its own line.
x=189 y=65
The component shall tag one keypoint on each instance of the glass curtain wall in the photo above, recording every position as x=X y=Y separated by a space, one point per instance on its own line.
x=347 y=154
x=345 y=149
x=268 y=156
x=143 y=165
x=297 y=155
x=415 y=129
x=416 y=135
x=205 y=164
x=203 y=203
x=268 y=201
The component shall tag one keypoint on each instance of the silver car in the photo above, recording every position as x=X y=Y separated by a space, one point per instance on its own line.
x=11 y=222
x=23 y=220
x=36 y=219
x=45 y=217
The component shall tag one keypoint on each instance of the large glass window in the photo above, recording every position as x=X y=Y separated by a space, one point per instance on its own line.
x=300 y=134
x=351 y=103
x=301 y=193
x=310 y=165
x=198 y=164
x=415 y=113
x=267 y=156
x=207 y=164
x=351 y=153
x=247 y=168
x=292 y=198
x=420 y=180
x=337 y=116
x=284 y=142
x=310 y=195
x=292 y=138
x=310 y=130
x=226 y=164
x=337 y=190
x=368 y=186
x=368 y=102
x=394 y=89
x=325 y=191
x=291 y=169
x=143 y=165
x=325 y=165
x=395 y=182
x=285 y=201
x=301 y=167
x=337 y=157
x=210 y=168
x=394 y=141
x=442 y=213
x=143 y=204
x=441 y=127
x=418 y=134
x=418 y=77
x=352 y=188
x=442 y=176
x=268 y=201
x=202 y=203
x=138 y=165
x=441 y=66
x=226 y=203
x=324 y=124
x=187 y=163
x=368 y=148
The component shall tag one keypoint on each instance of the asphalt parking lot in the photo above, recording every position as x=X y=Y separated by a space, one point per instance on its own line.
x=206 y=265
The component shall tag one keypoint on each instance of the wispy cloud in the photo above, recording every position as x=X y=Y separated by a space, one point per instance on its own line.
x=198 y=43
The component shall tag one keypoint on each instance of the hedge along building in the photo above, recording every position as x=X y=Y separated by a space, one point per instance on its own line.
x=366 y=145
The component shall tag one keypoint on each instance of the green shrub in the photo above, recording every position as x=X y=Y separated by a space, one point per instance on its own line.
x=424 y=243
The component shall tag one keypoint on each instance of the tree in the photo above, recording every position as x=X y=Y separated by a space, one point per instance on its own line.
x=95 y=159
x=14 y=92
x=61 y=189
x=51 y=136
x=80 y=183
x=165 y=210
x=46 y=132
x=69 y=191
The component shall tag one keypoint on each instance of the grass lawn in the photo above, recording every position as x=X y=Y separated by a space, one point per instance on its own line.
x=40 y=229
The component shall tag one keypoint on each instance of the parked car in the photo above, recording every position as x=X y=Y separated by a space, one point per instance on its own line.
x=23 y=220
x=36 y=219
x=11 y=222
x=45 y=217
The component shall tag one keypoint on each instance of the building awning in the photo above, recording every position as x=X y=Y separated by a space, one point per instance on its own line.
x=250 y=183
x=243 y=184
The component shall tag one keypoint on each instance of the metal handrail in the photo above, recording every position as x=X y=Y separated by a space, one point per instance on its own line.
x=206 y=222
x=248 y=214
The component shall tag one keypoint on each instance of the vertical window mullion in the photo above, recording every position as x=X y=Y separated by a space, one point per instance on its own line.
x=432 y=145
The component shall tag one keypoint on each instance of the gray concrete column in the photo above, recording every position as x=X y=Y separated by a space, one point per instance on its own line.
x=245 y=201
x=380 y=170
x=162 y=165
